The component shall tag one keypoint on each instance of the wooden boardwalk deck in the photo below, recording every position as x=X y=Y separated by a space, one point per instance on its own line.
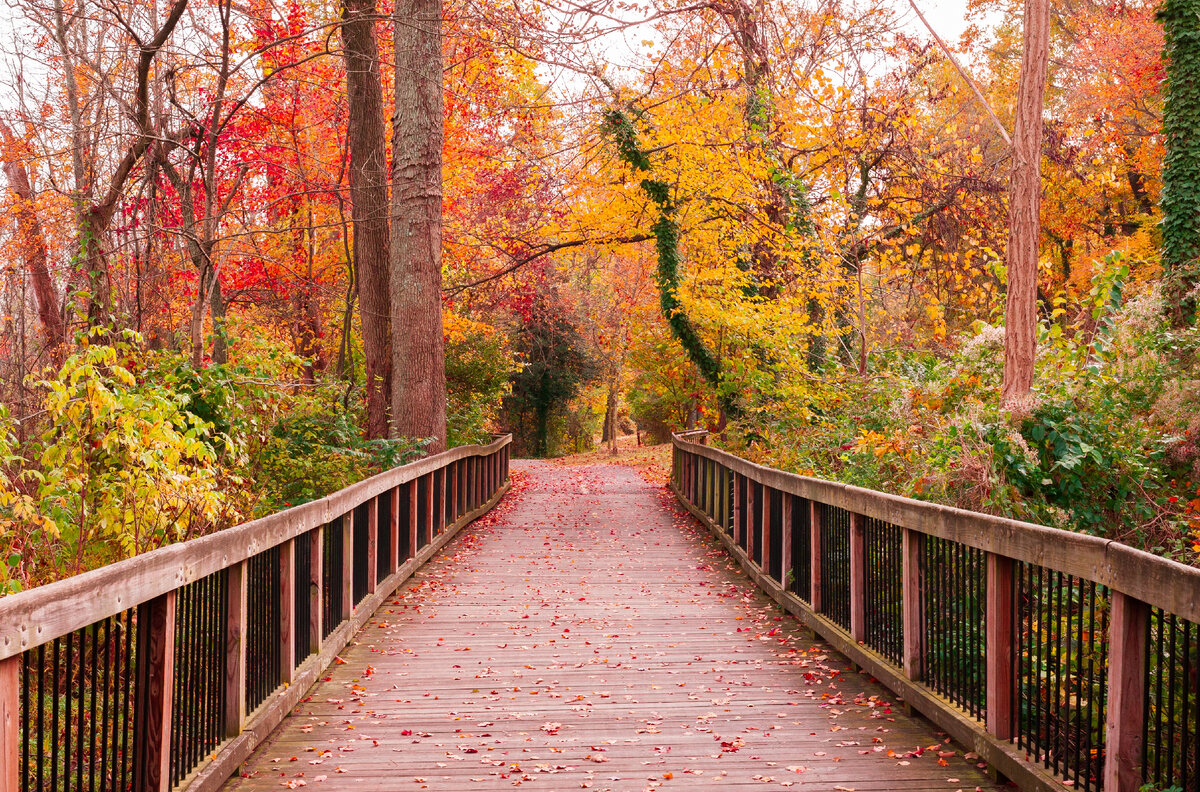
x=587 y=634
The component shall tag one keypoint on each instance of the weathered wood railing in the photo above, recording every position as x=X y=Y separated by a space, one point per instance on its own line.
x=1061 y=659
x=166 y=670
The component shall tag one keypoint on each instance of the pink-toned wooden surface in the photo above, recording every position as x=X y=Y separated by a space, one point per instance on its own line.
x=587 y=634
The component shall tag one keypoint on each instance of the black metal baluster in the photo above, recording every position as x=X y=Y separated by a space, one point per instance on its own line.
x=54 y=717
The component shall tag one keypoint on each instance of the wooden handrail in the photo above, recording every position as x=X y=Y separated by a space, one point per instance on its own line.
x=107 y=640
x=1089 y=601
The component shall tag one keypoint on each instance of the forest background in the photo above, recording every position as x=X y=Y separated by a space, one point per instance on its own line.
x=786 y=221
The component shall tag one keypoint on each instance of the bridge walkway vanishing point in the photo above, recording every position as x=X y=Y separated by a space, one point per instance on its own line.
x=589 y=633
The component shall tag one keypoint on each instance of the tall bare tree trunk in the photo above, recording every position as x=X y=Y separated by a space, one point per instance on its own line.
x=1024 y=208
x=418 y=357
x=369 y=200
x=32 y=241
x=610 y=411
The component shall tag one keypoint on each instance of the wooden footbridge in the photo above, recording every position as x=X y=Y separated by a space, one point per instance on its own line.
x=447 y=625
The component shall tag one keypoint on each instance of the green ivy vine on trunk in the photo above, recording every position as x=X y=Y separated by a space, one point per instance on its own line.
x=618 y=125
x=1181 y=161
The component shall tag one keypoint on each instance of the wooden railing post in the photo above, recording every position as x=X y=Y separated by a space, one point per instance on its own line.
x=858 y=578
x=785 y=543
x=414 y=503
x=372 y=544
x=156 y=672
x=316 y=585
x=287 y=610
x=687 y=478
x=752 y=494
x=718 y=494
x=1001 y=646
x=428 y=507
x=346 y=596
x=814 y=544
x=1128 y=628
x=910 y=592
x=710 y=487
x=394 y=528
x=694 y=479
x=453 y=491
x=737 y=509
x=10 y=723
x=724 y=499
x=235 y=648
x=765 y=552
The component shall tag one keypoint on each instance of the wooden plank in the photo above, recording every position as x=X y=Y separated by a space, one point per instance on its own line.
x=1004 y=756
x=287 y=610
x=316 y=578
x=413 y=528
x=428 y=533
x=858 y=579
x=1128 y=628
x=737 y=508
x=752 y=495
x=785 y=549
x=156 y=671
x=444 y=501
x=914 y=622
x=765 y=563
x=372 y=544
x=229 y=757
x=581 y=712
x=394 y=529
x=1001 y=646
x=234 y=705
x=814 y=568
x=10 y=724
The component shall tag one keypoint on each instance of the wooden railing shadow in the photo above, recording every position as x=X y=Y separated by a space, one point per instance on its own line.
x=166 y=670
x=1063 y=660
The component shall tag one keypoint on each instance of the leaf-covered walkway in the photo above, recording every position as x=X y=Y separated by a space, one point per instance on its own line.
x=587 y=634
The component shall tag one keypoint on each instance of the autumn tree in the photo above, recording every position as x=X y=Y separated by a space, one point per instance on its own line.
x=415 y=279
x=1181 y=165
x=30 y=236
x=369 y=198
x=1024 y=207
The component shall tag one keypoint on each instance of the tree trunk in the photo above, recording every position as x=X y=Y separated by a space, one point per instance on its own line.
x=1024 y=208
x=32 y=242
x=308 y=331
x=418 y=356
x=216 y=310
x=1181 y=161
x=369 y=204
x=204 y=277
x=610 y=411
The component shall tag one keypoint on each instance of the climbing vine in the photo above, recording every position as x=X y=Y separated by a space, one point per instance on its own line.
x=1181 y=163
x=618 y=125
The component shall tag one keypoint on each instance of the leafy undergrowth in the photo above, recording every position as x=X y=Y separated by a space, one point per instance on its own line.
x=1106 y=446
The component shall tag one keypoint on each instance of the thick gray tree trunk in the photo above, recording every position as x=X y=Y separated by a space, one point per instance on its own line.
x=418 y=357
x=369 y=199
x=1024 y=208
